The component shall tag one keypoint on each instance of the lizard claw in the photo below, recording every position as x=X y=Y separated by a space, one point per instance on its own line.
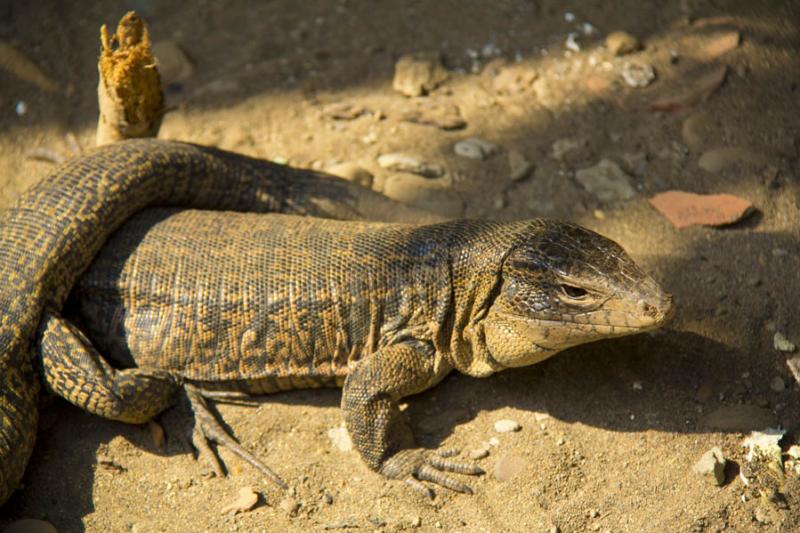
x=419 y=465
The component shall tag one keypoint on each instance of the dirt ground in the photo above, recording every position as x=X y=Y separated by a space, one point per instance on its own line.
x=610 y=431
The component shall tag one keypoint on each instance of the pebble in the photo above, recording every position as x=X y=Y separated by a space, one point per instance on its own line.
x=172 y=62
x=696 y=130
x=607 y=181
x=479 y=453
x=741 y=418
x=289 y=505
x=506 y=425
x=782 y=344
x=418 y=74
x=712 y=466
x=246 y=499
x=514 y=79
x=400 y=162
x=518 y=165
x=340 y=439
x=508 y=466
x=777 y=384
x=353 y=172
x=561 y=147
x=475 y=148
x=443 y=116
x=343 y=111
x=718 y=159
x=620 y=43
x=21 y=108
x=423 y=193
x=494 y=441
x=638 y=74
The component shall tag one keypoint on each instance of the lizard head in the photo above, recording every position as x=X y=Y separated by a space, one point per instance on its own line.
x=566 y=285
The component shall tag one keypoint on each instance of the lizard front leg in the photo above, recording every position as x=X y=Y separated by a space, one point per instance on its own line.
x=376 y=425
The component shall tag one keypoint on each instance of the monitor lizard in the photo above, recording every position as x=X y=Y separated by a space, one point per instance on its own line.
x=52 y=232
x=254 y=304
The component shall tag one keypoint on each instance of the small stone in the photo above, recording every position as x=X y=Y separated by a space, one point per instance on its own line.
x=561 y=147
x=638 y=74
x=475 y=148
x=692 y=89
x=620 y=43
x=245 y=500
x=494 y=441
x=637 y=386
x=416 y=75
x=400 y=162
x=508 y=466
x=782 y=344
x=478 y=453
x=519 y=166
x=718 y=159
x=172 y=62
x=354 y=173
x=696 y=130
x=794 y=451
x=594 y=513
x=607 y=181
x=506 y=425
x=712 y=465
x=289 y=505
x=340 y=439
x=443 y=116
x=424 y=193
x=514 y=79
x=777 y=384
x=21 y=108
x=742 y=418
x=415 y=521
x=554 y=529
x=343 y=111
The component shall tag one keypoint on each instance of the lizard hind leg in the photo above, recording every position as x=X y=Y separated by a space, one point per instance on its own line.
x=73 y=369
x=207 y=428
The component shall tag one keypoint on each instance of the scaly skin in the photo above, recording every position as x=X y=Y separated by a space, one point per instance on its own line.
x=55 y=229
x=259 y=303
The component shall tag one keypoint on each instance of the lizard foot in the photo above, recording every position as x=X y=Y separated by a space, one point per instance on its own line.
x=208 y=428
x=416 y=465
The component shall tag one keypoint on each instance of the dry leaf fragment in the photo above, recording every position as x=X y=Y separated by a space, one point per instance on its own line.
x=697 y=90
x=684 y=209
x=246 y=500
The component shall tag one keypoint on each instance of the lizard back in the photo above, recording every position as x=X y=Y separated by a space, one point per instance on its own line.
x=259 y=296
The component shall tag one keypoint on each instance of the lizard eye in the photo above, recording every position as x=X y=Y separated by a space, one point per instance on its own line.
x=573 y=292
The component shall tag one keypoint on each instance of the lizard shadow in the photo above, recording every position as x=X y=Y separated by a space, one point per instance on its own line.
x=665 y=381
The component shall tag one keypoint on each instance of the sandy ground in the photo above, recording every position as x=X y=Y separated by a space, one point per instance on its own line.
x=610 y=431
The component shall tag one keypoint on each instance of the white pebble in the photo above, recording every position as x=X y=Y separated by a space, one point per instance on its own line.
x=506 y=426
x=21 y=108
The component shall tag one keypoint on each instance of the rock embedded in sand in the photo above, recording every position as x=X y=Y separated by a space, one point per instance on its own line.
x=506 y=425
x=508 y=466
x=607 y=181
x=401 y=162
x=518 y=165
x=475 y=148
x=418 y=74
x=782 y=344
x=620 y=43
x=712 y=466
x=637 y=74
x=353 y=172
